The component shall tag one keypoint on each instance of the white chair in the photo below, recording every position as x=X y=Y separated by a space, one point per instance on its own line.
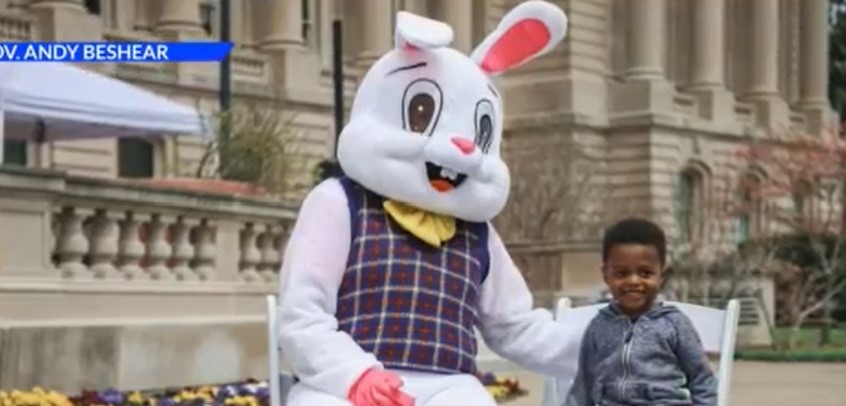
x=716 y=328
x=279 y=383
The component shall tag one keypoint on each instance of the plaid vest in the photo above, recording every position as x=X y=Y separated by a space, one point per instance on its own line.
x=410 y=304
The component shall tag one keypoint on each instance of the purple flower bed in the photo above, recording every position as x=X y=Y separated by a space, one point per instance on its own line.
x=247 y=393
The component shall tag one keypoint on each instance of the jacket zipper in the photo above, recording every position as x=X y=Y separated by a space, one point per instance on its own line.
x=627 y=349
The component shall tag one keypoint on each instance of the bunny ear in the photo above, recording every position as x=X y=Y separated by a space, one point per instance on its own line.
x=529 y=30
x=416 y=32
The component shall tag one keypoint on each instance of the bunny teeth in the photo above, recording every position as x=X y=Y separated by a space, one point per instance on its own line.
x=449 y=174
x=443 y=179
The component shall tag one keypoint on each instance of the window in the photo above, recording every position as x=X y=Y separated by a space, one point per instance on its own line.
x=15 y=153
x=689 y=214
x=684 y=205
x=207 y=16
x=743 y=221
x=136 y=158
x=800 y=198
x=93 y=6
x=747 y=218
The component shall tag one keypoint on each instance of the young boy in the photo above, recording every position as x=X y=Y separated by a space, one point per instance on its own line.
x=639 y=351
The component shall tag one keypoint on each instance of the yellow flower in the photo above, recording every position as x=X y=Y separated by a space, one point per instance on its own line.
x=54 y=398
x=498 y=392
x=135 y=397
x=242 y=401
x=28 y=399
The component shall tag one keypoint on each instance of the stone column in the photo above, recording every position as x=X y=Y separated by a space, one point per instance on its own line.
x=813 y=83
x=647 y=27
x=763 y=61
x=63 y=20
x=284 y=25
x=179 y=21
x=459 y=15
x=708 y=43
x=374 y=21
x=646 y=90
x=180 y=17
x=419 y=7
x=708 y=61
x=141 y=17
x=763 y=52
x=249 y=25
x=236 y=19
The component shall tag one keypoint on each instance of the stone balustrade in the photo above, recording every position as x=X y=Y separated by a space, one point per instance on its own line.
x=136 y=285
x=15 y=27
x=70 y=237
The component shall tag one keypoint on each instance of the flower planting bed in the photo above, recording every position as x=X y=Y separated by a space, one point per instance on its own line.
x=247 y=393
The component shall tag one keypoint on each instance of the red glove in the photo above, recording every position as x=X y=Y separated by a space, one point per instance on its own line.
x=377 y=387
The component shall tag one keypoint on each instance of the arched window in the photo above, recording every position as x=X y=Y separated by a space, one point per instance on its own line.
x=748 y=217
x=690 y=204
x=744 y=217
x=801 y=198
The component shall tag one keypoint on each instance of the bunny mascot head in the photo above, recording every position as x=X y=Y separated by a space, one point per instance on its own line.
x=426 y=124
x=391 y=269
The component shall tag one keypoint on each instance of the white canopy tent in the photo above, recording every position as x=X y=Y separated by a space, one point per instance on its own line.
x=65 y=102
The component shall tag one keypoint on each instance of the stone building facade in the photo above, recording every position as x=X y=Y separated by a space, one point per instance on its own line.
x=655 y=92
x=657 y=89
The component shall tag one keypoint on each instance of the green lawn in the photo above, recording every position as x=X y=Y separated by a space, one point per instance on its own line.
x=809 y=337
x=806 y=348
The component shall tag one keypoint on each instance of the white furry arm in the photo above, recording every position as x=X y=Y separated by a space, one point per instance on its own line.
x=513 y=329
x=315 y=257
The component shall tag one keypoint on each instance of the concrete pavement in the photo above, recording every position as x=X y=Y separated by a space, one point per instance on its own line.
x=753 y=384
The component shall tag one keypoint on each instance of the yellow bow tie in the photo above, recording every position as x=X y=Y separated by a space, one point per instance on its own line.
x=432 y=228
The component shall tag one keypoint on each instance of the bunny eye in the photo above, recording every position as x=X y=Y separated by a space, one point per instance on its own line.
x=421 y=106
x=484 y=124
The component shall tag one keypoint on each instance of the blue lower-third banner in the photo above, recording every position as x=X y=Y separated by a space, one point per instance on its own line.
x=205 y=51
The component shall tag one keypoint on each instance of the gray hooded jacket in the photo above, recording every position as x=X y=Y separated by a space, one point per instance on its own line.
x=656 y=360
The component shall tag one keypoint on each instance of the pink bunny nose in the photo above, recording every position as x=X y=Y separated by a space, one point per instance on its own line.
x=464 y=145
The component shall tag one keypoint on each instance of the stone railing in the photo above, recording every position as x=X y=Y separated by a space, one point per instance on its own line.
x=251 y=67
x=16 y=27
x=150 y=251
x=135 y=285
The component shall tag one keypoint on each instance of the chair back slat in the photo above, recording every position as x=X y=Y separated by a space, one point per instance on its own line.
x=708 y=322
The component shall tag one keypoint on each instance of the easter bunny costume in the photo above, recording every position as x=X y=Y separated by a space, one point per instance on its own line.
x=391 y=269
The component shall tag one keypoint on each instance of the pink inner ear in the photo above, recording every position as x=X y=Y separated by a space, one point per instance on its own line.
x=408 y=47
x=520 y=42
